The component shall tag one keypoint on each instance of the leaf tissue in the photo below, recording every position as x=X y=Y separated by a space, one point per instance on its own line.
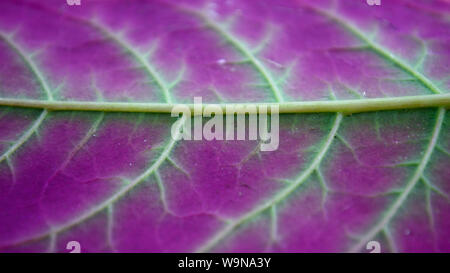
x=86 y=152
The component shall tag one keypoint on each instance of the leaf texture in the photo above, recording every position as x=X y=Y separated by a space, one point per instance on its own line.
x=105 y=173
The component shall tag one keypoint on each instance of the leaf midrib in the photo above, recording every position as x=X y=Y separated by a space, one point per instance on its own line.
x=344 y=106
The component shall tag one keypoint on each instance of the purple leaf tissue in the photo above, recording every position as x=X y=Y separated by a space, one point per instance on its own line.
x=224 y=126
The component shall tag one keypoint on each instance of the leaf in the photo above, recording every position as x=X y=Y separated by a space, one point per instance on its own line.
x=86 y=153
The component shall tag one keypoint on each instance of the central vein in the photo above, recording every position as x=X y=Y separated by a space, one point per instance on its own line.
x=343 y=106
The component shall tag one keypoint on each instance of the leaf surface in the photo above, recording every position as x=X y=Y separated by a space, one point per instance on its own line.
x=115 y=180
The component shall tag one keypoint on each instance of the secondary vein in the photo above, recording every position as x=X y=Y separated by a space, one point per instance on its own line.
x=25 y=136
x=104 y=205
x=27 y=60
x=222 y=234
x=45 y=87
x=382 y=224
x=380 y=50
x=151 y=71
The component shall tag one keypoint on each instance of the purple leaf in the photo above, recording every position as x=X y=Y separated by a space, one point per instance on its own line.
x=114 y=180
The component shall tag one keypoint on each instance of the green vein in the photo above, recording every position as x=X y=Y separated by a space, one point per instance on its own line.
x=345 y=106
x=273 y=223
x=28 y=133
x=379 y=49
x=429 y=210
x=30 y=64
x=139 y=58
x=162 y=191
x=441 y=149
x=75 y=150
x=437 y=190
x=242 y=48
x=85 y=139
x=233 y=224
x=110 y=227
x=12 y=170
x=409 y=187
x=390 y=240
x=164 y=155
